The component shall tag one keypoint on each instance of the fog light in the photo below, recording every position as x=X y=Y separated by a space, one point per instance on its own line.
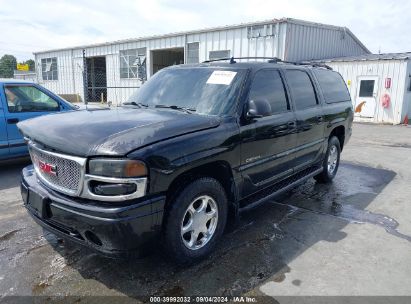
x=107 y=189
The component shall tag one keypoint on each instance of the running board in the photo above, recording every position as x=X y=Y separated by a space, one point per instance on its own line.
x=279 y=188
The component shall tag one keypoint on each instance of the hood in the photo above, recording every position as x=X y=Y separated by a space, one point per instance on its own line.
x=115 y=132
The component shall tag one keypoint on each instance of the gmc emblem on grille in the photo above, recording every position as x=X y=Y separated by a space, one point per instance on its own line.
x=47 y=168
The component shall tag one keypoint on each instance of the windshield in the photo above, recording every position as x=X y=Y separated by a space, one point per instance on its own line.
x=205 y=90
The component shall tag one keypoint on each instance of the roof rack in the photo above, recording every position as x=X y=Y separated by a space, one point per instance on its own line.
x=232 y=59
x=271 y=60
x=316 y=65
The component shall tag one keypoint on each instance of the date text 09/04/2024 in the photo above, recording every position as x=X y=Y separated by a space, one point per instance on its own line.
x=203 y=299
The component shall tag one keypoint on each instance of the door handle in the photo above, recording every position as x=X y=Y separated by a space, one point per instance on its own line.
x=285 y=127
x=320 y=119
x=12 y=120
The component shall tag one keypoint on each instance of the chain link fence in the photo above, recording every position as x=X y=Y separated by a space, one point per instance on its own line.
x=92 y=79
x=112 y=78
x=112 y=84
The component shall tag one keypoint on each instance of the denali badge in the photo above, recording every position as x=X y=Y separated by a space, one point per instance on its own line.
x=251 y=159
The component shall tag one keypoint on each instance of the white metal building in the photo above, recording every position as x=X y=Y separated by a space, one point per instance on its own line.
x=114 y=68
x=380 y=85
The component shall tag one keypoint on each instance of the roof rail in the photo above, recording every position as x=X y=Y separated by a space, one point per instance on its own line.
x=232 y=59
x=316 y=65
x=271 y=60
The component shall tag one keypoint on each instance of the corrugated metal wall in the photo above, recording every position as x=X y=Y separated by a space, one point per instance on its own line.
x=309 y=42
x=305 y=42
x=407 y=94
x=70 y=63
x=237 y=41
x=65 y=68
x=394 y=69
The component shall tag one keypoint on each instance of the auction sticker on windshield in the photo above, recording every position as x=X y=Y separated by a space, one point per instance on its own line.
x=221 y=77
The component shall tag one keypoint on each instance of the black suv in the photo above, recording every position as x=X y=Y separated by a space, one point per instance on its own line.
x=195 y=145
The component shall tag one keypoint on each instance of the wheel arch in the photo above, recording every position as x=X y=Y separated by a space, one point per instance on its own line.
x=339 y=132
x=219 y=170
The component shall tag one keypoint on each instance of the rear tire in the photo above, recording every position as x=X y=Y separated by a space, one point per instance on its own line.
x=195 y=221
x=331 y=161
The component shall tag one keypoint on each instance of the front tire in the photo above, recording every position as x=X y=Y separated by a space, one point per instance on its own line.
x=331 y=161
x=195 y=221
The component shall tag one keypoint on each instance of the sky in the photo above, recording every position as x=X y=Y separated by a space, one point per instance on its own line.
x=34 y=25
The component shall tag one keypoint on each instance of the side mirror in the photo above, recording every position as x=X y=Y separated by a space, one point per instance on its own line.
x=258 y=109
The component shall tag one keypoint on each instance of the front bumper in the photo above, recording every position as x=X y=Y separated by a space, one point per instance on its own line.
x=112 y=229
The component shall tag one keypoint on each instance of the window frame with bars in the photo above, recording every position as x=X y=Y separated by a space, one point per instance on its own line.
x=49 y=69
x=124 y=66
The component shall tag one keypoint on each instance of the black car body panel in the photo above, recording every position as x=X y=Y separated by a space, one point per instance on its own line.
x=116 y=231
x=129 y=129
x=248 y=156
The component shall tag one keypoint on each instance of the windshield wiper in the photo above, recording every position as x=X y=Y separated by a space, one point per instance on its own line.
x=133 y=103
x=174 y=107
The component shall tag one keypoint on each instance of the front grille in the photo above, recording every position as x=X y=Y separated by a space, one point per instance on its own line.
x=66 y=173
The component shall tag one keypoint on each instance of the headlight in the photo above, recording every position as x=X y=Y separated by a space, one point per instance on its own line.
x=122 y=168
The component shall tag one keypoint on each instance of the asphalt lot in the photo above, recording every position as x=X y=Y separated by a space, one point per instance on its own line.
x=352 y=237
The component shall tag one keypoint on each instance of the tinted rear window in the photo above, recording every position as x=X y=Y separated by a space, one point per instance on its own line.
x=332 y=85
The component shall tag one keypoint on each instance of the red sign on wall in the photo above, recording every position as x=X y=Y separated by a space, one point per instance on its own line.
x=387 y=83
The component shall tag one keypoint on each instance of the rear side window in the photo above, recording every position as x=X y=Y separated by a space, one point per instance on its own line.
x=268 y=85
x=302 y=89
x=332 y=85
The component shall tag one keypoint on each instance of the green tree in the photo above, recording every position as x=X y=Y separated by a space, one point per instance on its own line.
x=31 y=64
x=7 y=66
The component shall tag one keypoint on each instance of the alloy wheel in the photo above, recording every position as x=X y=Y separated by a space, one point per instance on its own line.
x=332 y=159
x=199 y=222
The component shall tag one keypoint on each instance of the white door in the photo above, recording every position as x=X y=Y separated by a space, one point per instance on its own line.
x=366 y=98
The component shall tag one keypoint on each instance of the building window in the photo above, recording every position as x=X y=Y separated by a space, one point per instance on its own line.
x=219 y=54
x=49 y=68
x=257 y=31
x=193 y=52
x=133 y=63
x=366 y=88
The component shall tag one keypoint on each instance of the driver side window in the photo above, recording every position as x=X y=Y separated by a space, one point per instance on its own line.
x=25 y=98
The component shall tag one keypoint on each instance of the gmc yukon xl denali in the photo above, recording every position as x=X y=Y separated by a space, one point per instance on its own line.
x=195 y=145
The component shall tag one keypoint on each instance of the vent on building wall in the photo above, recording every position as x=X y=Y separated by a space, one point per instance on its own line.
x=193 y=55
x=213 y=55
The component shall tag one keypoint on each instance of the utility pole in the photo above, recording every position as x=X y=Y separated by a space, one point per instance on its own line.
x=85 y=80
